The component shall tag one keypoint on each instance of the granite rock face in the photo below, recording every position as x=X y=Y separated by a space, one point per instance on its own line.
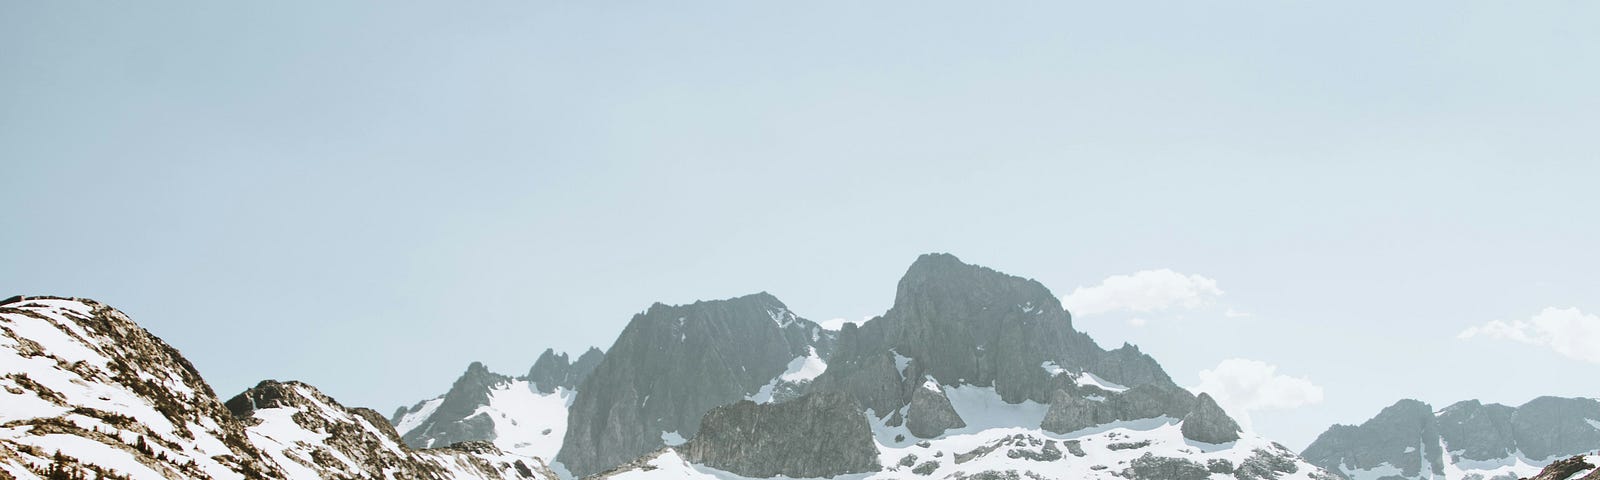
x=1391 y=438
x=1547 y=427
x=1207 y=423
x=552 y=370
x=671 y=365
x=930 y=412
x=1069 y=413
x=817 y=435
x=964 y=324
x=454 y=420
x=1543 y=429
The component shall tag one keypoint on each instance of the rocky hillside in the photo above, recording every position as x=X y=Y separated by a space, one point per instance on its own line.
x=1581 y=467
x=1469 y=439
x=89 y=394
x=672 y=364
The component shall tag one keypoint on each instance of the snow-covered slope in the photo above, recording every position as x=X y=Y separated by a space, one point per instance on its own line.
x=1003 y=441
x=522 y=420
x=85 y=392
x=312 y=436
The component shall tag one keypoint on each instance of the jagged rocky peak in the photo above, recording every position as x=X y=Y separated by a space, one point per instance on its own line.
x=453 y=418
x=817 y=435
x=312 y=436
x=1491 y=441
x=1206 y=422
x=673 y=363
x=553 y=370
x=961 y=324
x=1403 y=436
x=88 y=393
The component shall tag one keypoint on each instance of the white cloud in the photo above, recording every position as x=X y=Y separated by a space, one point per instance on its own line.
x=1138 y=322
x=1146 y=291
x=1242 y=386
x=1231 y=313
x=1568 y=331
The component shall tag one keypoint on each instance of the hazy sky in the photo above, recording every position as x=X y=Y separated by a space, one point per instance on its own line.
x=369 y=196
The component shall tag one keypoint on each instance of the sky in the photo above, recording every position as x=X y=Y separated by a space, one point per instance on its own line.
x=1311 y=209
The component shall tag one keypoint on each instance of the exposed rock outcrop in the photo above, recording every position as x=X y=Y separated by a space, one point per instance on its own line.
x=817 y=435
x=1069 y=413
x=930 y=412
x=1581 y=467
x=552 y=370
x=1206 y=422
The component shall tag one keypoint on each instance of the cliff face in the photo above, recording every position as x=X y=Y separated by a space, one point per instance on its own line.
x=671 y=365
x=1474 y=434
x=817 y=435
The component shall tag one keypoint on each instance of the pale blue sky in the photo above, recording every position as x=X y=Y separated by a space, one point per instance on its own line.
x=368 y=196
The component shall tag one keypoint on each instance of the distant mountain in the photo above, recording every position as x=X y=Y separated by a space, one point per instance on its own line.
x=1467 y=440
x=86 y=393
x=526 y=416
x=672 y=364
x=971 y=374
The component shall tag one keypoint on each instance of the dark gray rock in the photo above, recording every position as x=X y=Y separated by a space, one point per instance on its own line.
x=1478 y=431
x=454 y=420
x=1392 y=438
x=930 y=413
x=552 y=370
x=1548 y=427
x=1266 y=465
x=1219 y=465
x=1206 y=422
x=1151 y=467
x=970 y=325
x=671 y=365
x=1069 y=413
x=1544 y=428
x=817 y=435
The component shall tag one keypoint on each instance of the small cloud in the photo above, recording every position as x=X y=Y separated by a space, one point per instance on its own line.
x=1568 y=331
x=1145 y=291
x=838 y=323
x=1138 y=322
x=1231 y=313
x=1243 y=386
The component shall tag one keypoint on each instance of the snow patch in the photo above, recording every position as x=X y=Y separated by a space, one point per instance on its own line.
x=804 y=369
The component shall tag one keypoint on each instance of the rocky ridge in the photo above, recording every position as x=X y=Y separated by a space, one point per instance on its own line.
x=1469 y=438
x=88 y=393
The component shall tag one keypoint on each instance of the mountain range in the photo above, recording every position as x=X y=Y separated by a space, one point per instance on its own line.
x=970 y=373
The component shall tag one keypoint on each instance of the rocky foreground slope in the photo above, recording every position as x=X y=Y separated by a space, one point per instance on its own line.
x=1467 y=440
x=86 y=393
